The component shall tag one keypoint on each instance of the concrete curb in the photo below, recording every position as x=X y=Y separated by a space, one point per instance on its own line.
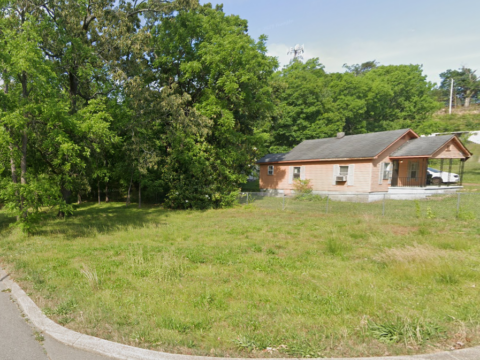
x=124 y=352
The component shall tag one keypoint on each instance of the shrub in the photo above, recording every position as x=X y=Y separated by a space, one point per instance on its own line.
x=302 y=187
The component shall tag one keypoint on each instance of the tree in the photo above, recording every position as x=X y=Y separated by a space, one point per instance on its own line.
x=399 y=97
x=466 y=83
x=209 y=60
x=314 y=104
x=306 y=110
x=360 y=69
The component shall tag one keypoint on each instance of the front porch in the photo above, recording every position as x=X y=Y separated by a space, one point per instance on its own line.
x=424 y=172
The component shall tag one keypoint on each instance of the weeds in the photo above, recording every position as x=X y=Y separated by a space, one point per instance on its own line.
x=91 y=276
x=257 y=283
x=410 y=332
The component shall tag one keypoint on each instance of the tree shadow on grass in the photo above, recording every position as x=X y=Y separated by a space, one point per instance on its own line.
x=91 y=219
x=5 y=220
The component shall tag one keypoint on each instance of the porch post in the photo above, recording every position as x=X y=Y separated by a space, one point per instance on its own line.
x=449 y=171
x=426 y=172
x=462 y=166
x=441 y=167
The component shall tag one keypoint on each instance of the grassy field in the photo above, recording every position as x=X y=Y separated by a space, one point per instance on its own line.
x=472 y=168
x=259 y=281
x=255 y=282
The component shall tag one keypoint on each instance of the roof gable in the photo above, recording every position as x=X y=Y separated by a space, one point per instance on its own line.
x=423 y=146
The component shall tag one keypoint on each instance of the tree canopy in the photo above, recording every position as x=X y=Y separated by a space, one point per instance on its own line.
x=314 y=104
x=169 y=97
x=465 y=81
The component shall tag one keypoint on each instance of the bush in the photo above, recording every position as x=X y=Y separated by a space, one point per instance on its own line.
x=302 y=187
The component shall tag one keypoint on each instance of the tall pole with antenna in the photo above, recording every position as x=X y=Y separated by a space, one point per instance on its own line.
x=451 y=96
x=297 y=52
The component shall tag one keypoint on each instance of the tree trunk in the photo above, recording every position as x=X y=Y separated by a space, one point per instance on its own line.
x=106 y=193
x=129 y=188
x=73 y=91
x=67 y=197
x=13 y=169
x=98 y=190
x=23 y=161
x=140 y=194
x=79 y=198
x=13 y=166
x=23 y=169
x=467 y=102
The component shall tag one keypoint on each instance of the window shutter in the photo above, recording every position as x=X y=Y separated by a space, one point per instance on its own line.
x=302 y=173
x=290 y=174
x=380 y=173
x=351 y=174
x=336 y=171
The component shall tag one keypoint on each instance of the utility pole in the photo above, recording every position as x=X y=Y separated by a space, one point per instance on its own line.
x=451 y=96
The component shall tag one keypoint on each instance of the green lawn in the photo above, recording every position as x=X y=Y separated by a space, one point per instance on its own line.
x=256 y=281
x=472 y=168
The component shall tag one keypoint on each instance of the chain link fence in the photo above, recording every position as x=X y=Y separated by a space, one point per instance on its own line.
x=464 y=206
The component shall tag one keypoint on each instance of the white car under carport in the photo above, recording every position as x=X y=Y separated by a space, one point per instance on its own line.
x=438 y=177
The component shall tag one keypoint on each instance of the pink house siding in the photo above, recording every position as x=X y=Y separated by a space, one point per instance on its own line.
x=279 y=179
x=320 y=175
x=449 y=151
x=384 y=157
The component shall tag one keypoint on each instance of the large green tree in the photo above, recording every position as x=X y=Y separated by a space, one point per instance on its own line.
x=209 y=59
x=314 y=104
x=466 y=84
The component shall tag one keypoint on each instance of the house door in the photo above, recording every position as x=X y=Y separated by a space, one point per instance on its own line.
x=395 y=173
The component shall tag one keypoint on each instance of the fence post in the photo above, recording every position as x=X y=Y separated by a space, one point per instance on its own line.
x=458 y=204
x=247 y=198
x=326 y=208
x=383 y=211
x=283 y=202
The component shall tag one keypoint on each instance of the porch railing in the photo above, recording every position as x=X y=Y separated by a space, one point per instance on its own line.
x=409 y=182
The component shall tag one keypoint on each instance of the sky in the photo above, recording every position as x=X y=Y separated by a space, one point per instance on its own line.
x=436 y=34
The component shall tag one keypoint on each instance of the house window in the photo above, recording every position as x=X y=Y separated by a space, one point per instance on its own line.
x=386 y=170
x=343 y=171
x=296 y=172
x=413 y=170
x=343 y=174
x=270 y=169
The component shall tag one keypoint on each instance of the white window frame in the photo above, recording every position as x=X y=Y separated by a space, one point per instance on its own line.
x=299 y=173
x=291 y=170
x=271 y=170
x=387 y=170
x=350 y=174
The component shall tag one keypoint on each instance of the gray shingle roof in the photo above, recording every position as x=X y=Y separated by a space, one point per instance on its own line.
x=348 y=147
x=272 y=158
x=422 y=146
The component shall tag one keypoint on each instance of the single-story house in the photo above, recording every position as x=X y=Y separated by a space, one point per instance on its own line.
x=365 y=163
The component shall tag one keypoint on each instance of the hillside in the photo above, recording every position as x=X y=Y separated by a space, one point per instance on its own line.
x=460 y=120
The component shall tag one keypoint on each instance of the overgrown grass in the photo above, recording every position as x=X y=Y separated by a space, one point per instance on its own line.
x=257 y=281
x=471 y=176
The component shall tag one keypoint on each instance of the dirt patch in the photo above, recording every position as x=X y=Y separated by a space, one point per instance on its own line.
x=413 y=254
x=403 y=230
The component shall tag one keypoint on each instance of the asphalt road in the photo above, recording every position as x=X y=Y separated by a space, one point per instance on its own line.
x=19 y=341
